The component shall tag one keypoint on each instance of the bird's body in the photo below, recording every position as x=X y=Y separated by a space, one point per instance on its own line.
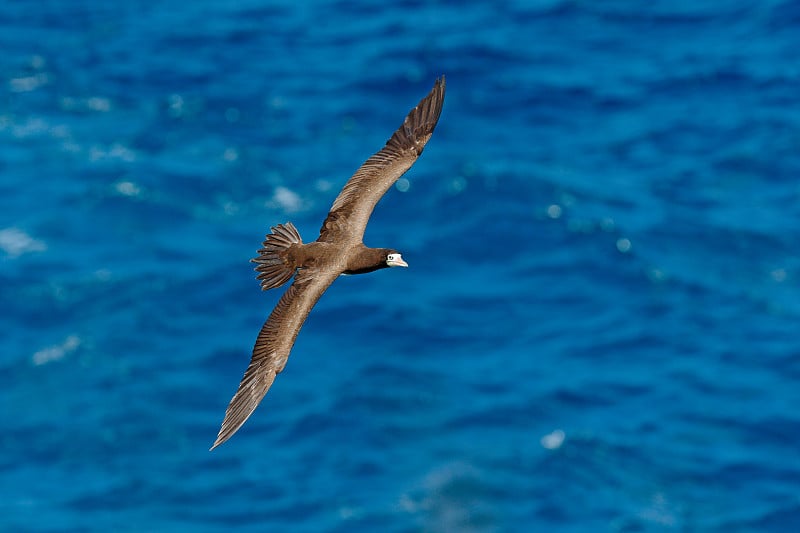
x=338 y=250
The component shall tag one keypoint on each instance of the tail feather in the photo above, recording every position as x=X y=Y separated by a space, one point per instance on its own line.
x=274 y=265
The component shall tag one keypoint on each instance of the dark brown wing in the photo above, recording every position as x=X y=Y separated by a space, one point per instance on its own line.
x=351 y=210
x=272 y=347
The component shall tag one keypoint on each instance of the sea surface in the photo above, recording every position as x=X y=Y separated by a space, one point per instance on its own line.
x=599 y=329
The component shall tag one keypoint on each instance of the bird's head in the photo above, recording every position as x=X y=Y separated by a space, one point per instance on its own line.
x=394 y=259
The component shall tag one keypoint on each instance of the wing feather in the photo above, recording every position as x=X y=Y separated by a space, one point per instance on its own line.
x=272 y=348
x=351 y=210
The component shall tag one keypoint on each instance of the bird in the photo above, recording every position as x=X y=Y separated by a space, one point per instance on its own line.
x=338 y=250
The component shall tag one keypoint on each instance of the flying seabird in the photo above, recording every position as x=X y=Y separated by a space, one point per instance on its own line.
x=338 y=250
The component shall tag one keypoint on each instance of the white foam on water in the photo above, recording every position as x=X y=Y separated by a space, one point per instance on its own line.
x=553 y=440
x=56 y=352
x=287 y=199
x=128 y=188
x=28 y=83
x=15 y=242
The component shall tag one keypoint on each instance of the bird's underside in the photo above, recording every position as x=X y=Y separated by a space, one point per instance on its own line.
x=338 y=250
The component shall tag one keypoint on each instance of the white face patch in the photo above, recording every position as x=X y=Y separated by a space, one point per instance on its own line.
x=394 y=260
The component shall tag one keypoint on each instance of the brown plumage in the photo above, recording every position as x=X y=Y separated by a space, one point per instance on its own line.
x=338 y=250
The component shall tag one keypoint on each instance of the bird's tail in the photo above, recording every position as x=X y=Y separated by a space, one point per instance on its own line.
x=274 y=265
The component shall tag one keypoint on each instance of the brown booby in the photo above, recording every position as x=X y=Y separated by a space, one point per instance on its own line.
x=338 y=250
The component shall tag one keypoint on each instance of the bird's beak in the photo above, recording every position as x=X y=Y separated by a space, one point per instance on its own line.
x=397 y=262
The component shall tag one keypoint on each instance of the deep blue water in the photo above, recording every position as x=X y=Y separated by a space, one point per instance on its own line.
x=598 y=330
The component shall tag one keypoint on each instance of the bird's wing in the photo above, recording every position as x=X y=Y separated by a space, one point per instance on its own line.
x=272 y=347
x=351 y=210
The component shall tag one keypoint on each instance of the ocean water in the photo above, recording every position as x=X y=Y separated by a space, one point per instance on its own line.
x=598 y=330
